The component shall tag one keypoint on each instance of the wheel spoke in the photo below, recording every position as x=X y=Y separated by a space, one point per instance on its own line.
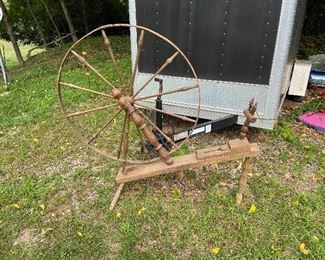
x=70 y=85
x=126 y=143
x=103 y=127
x=167 y=62
x=143 y=143
x=83 y=61
x=181 y=89
x=137 y=59
x=122 y=137
x=184 y=118
x=157 y=128
x=91 y=110
x=108 y=45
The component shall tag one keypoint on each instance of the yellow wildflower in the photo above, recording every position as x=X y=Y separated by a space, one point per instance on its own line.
x=303 y=249
x=252 y=209
x=215 y=250
x=141 y=211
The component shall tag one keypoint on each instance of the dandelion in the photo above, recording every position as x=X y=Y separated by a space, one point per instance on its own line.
x=303 y=249
x=252 y=209
x=215 y=250
x=141 y=211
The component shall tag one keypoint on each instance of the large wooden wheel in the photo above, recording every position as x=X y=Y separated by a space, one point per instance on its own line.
x=97 y=97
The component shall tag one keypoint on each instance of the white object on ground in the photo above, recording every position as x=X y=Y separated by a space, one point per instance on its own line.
x=300 y=77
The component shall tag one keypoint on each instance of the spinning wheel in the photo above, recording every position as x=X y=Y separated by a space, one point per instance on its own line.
x=127 y=108
x=111 y=112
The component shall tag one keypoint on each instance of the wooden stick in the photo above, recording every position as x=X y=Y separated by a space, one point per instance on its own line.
x=125 y=151
x=70 y=85
x=103 y=127
x=181 y=89
x=136 y=63
x=42 y=46
x=157 y=128
x=116 y=196
x=167 y=62
x=82 y=60
x=126 y=142
x=111 y=54
x=246 y=168
x=91 y=110
x=143 y=144
x=122 y=137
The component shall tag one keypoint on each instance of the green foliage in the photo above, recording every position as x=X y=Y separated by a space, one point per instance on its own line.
x=285 y=131
x=315 y=105
x=98 y=12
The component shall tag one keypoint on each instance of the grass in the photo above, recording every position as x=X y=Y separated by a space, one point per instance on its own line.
x=10 y=53
x=54 y=193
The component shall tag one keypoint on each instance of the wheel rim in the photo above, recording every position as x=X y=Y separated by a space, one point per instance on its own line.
x=137 y=99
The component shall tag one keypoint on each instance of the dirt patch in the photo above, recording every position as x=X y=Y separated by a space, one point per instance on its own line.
x=27 y=237
x=62 y=212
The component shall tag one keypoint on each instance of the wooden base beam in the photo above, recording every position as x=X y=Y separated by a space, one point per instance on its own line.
x=233 y=150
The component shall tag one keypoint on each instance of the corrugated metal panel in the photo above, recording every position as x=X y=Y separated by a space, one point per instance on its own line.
x=225 y=40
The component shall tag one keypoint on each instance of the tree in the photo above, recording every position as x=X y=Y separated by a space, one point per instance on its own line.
x=11 y=33
x=39 y=29
x=69 y=21
x=80 y=12
x=51 y=18
x=84 y=16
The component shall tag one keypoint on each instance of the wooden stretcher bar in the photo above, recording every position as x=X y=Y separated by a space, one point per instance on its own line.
x=233 y=150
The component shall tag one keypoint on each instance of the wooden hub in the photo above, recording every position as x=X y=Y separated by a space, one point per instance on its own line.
x=126 y=103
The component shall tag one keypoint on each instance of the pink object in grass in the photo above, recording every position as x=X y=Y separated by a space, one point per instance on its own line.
x=315 y=120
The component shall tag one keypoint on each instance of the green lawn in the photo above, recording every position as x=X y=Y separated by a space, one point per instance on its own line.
x=10 y=53
x=55 y=193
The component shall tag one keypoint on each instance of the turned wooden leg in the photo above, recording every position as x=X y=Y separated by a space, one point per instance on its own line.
x=246 y=168
x=116 y=196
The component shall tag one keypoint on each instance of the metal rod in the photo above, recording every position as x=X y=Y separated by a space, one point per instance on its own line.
x=111 y=53
x=181 y=89
x=103 y=127
x=167 y=62
x=85 y=62
x=158 y=115
x=184 y=118
x=70 y=85
x=91 y=110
